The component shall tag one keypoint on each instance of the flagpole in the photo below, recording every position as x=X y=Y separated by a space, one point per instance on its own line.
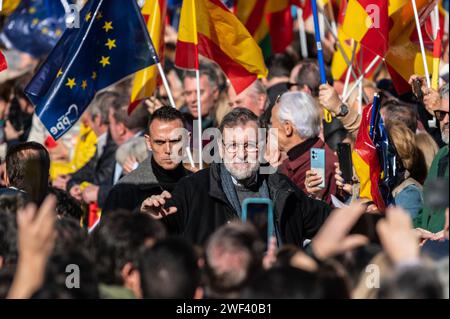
x=436 y=49
x=199 y=110
x=367 y=70
x=302 y=33
x=323 y=77
x=350 y=68
x=360 y=87
x=422 y=47
x=166 y=85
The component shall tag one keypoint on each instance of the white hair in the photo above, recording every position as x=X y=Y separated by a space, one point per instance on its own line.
x=302 y=111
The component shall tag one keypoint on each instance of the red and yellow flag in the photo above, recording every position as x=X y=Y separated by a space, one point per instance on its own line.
x=367 y=23
x=145 y=81
x=404 y=57
x=270 y=22
x=3 y=63
x=366 y=162
x=208 y=28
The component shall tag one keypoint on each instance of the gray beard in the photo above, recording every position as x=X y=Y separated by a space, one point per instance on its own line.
x=445 y=135
x=242 y=175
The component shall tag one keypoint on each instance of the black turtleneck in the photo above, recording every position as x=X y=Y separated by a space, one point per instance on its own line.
x=167 y=178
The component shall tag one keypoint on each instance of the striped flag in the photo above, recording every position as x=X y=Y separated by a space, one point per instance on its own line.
x=145 y=81
x=208 y=28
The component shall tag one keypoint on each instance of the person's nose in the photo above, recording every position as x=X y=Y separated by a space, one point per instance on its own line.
x=167 y=147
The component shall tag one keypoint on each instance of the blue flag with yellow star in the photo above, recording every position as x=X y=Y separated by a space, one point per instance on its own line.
x=34 y=27
x=111 y=43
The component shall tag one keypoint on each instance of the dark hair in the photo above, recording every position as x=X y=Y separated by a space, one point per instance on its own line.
x=309 y=76
x=166 y=114
x=169 y=270
x=237 y=116
x=396 y=112
x=284 y=283
x=12 y=200
x=60 y=266
x=8 y=239
x=234 y=239
x=69 y=234
x=6 y=280
x=135 y=121
x=207 y=69
x=27 y=168
x=279 y=65
x=418 y=282
x=66 y=205
x=118 y=240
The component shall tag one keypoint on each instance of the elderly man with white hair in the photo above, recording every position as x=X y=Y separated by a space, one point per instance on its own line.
x=298 y=120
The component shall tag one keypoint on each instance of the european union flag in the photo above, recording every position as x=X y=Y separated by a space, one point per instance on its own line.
x=111 y=43
x=34 y=27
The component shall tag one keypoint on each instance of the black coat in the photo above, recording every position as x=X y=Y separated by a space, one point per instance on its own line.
x=132 y=189
x=98 y=171
x=203 y=207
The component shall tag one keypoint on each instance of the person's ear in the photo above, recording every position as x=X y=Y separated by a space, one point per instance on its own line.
x=305 y=89
x=1 y=262
x=148 y=142
x=132 y=279
x=288 y=129
x=199 y=293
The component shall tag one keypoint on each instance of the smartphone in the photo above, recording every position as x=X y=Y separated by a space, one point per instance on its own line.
x=259 y=212
x=344 y=152
x=418 y=89
x=318 y=163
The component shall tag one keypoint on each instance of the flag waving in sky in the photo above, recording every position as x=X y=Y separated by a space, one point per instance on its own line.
x=208 y=28
x=111 y=43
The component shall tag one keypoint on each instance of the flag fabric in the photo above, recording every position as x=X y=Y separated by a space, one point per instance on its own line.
x=208 y=28
x=3 y=62
x=366 y=162
x=366 y=22
x=404 y=57
x=8 y=6
x=145 y=81
x=34 y=27
x=111 y=43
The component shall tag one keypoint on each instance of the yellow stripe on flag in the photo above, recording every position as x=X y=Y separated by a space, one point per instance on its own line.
x=357 y=21
x=187 y=30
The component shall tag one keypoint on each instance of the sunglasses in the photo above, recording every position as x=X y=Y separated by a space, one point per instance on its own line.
x=440 y=115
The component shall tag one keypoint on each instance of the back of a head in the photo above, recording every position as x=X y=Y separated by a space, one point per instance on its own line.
x=280 y=65
x=118 y=240
x=27 y=169
x=169 y=270
x=420 y=282
x=233 y=256
x=405 y=143
x=8 y=240
x=134 y=122
x=302 y=111
x=309 y=76
x=428 y=146
x=99 y=107
x=66 y=205
x=395 y=112
x=283 y=283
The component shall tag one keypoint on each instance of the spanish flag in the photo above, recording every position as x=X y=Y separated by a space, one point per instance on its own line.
x=208 y=28
x=270 y=22
x=404 y=57
x=145 y=81
x=366 y=162
x=366 y=22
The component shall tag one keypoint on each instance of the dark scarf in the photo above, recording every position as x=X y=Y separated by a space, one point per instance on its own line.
x=230 y=189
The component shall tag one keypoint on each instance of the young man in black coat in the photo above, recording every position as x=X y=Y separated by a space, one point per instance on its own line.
x=203 y=202
x=159 y=171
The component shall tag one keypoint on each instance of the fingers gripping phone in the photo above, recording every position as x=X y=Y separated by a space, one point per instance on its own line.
x=318 y=164
x=259 y=212
x=344 y=152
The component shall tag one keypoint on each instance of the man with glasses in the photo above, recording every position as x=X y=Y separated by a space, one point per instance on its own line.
x=430 y=219
x=203 y=202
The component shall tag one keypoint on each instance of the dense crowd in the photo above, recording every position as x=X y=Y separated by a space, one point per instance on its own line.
x=119 y=207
